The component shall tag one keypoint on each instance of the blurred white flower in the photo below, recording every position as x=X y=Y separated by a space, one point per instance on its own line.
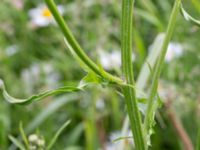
x=41 y=16
x=31 y=77
x=33 y=138
x=110 y=146
x=110 y=60
x=27 y=81
x=40 y=142
x=11 y=50
x=100 y=104
x=37 y=74
x=52 y=77
x=35 y=141
x=174 y=50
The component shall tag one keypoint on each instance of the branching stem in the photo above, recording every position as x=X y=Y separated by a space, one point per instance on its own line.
x=76 y=47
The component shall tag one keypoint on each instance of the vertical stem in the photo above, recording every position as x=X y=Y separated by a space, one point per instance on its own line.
x=158 y=67
x=127 y=68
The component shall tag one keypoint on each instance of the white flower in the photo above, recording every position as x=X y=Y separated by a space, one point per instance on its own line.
x=41 y=142
x=30 y=77
x=11 y=50
x=110 y=60
x=52 y=77
x=41 y=16
x=174 y=50
x=100 y=104
x=33 y=138
x=110 y=146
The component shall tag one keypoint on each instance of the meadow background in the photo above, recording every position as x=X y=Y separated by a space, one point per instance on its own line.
x=34 y=57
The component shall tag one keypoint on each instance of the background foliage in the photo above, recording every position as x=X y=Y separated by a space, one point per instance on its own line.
x=34 y=58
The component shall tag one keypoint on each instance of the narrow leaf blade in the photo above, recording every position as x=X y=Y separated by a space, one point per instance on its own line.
x=55 y=137
x=37 y=97
x=17 y=143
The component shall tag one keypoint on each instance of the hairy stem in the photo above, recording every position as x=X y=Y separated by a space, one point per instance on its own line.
x=158 y=67
x=127 y=67
x=76 y=47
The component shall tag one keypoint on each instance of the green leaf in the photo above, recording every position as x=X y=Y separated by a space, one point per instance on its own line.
x=151 y=59
x=55 y=137
x=17 y=142
x=189 y=17
x=90 y=78
x=37 y=97
x=60 y=101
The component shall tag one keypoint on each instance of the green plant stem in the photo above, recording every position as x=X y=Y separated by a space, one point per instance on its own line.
x=76 y=47
x=158 y=67
x=127 y=67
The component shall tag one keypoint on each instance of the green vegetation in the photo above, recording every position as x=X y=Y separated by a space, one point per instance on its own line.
x=99 y=64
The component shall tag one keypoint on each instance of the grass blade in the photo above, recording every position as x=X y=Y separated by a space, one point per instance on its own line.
x=51 y=109
x=17 y=143
x=55 y=137
x=23 y=135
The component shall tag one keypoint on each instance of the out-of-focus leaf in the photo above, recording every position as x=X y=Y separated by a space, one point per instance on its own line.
x=150 y=60
x=17 y=143
x=37 y=97
x=189 y=18
x=51 y=109
x=55 y=137
x=75 y=134
x=149 y=17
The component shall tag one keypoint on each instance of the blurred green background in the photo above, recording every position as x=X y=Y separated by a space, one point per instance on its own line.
x=34 y=57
